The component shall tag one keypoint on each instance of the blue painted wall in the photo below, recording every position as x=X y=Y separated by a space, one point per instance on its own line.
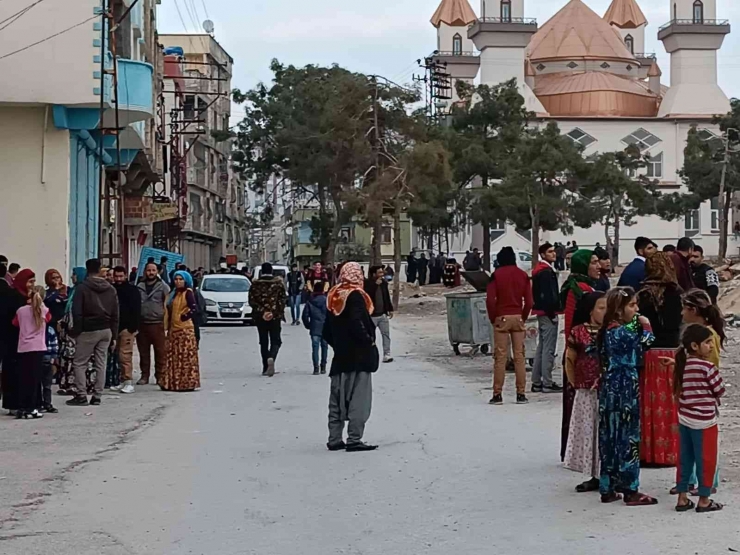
x=84 y=199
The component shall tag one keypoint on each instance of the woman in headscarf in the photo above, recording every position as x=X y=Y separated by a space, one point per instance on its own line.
x=584 y=272
x=23 y=285
x=56 y=296
x=351 y=334
x=65 y=376
x=182 y=371
x=660 y=302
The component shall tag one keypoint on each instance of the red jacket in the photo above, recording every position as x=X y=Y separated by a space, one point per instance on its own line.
x=509 y=293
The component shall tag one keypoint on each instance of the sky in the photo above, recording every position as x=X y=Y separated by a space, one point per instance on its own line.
x=383 y=37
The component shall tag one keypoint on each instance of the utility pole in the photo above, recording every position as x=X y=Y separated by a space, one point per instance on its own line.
x=721 y=197
x=376 y=255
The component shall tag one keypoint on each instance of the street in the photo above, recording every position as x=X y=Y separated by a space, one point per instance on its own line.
x=241 y=467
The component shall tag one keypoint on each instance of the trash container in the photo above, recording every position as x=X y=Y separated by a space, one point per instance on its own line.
x=467 y=317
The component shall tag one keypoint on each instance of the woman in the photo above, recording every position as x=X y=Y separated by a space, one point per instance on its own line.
x=56 y=296
x=23 y=285
x=660 y=302
x=65 y=376
x=182 y=371
x=584 y=271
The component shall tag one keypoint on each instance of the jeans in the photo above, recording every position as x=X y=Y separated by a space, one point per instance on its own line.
x=383 y=324
x=47 y=379
x=91 y=344
x=544 y=359
x=295 y=306
x=270 y=341
x=508 y=329
x=318 y=343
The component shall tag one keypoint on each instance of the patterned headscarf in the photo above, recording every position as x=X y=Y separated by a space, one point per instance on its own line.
x=351 y=279
x=579 y=264
x=20 y=282
x=49 y=275
x=660 y=273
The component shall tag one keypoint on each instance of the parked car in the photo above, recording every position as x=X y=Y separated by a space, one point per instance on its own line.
x=227 y=298
x=277 y=270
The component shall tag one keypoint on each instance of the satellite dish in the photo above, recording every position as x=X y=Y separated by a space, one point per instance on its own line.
x=208 y=26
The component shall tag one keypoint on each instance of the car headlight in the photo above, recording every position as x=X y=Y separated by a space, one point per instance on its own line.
x=209 y=302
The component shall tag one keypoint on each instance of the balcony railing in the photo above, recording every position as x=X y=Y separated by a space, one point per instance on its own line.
x=517 y=20
x=467 y=53
x=714 y=22
x=646 y=55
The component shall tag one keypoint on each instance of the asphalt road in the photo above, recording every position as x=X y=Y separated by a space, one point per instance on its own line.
x=240 y=467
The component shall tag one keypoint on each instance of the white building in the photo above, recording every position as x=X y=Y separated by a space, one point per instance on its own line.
x=591 y=75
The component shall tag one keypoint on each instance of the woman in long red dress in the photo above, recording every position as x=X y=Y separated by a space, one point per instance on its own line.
x=660 y=302
x=584 y=271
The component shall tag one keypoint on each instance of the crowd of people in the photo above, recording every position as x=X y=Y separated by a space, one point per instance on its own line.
x=641 y=363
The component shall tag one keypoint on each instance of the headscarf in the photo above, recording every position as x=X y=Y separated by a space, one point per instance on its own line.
x=351 y=279
x=579 y=264
x=188 y=283
x=20 y=282
x=80 y=272
x=660 y=273
x=48 y=280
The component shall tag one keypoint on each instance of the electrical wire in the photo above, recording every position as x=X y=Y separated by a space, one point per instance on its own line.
x=205 y=8
x=81 y=23
x=182 y=19
x=16 y=16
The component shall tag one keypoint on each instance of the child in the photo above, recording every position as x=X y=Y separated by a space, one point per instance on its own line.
x=51 y=360
x=582 y=367
x=32 y=320
x=314 y=316
x=698 y=388
x=622 y=339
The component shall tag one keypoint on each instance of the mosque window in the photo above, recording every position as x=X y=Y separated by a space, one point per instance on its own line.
x=605 y=65
x=457 y=45
x=698 y=12
x=655 y=166
x=580 y=137
x=540 y=67
x=629 y=42
x=642 y=139
x=572 y=65
x=506 y=10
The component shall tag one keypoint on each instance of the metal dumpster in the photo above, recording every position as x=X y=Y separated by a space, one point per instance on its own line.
x=467 y=318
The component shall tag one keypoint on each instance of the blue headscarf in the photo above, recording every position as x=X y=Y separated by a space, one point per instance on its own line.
x=80 y=272
x=188 y=283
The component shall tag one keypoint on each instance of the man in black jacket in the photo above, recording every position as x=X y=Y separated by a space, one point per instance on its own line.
x=129 y=311
x=705 y=277
x=377 y=288
x=546 y=296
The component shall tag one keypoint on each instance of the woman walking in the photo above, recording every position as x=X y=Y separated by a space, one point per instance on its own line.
x=660 y=303
x=31 y=320
x=351 y=333
x=584 y=271
x=182 y=371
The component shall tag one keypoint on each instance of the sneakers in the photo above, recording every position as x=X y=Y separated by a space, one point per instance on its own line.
x=387 y=359
x=95 y=400
x=536 y=388
x=315 y=370
x=128 y=387
x=270 y=367
x=118 y=387
x=497 y=399
x=78 y=401
x=521 y=399
x=323 y=368
x=341 y=446
x=356 y=447
x=553 y=388
x=50 y=409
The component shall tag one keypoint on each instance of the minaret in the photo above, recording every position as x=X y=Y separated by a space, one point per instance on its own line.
x=692 y=38
x=454 y=48
x=627 y=17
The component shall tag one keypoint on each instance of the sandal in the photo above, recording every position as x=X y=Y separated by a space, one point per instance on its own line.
x=588 y=485
x=683 y=508
x=639 y=500
x=712 y=507
x=693 y=491
x=611 y=497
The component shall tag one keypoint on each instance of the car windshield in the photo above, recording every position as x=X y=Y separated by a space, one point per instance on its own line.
x=226 y=285
x=525 y=257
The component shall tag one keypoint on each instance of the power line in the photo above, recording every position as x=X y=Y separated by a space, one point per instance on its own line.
x=81 y=23
x=182 y=19
x=16 y=16
x=205 y=8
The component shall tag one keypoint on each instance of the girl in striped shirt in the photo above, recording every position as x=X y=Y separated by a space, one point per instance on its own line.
x=698 y=388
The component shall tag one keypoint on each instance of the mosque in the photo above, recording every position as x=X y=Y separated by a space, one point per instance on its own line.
x=592 y=76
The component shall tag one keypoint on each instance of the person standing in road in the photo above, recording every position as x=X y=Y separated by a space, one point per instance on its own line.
x=472 y=261
x=351 y=333
x=705 y=277
x=129 y=310
x=182 y=371
x=154 y=293
x=546 y=297
x=559 y=257
x=421 y=267
x=605 y=269
x=317 y=276
x=634 y=274
x=377 y=289
x=267 y=299
x=314 y=317
x=681 y=262
x=508 y=301
x=411 y=267
x=12 y=378
x=295 y=288
x=95 y=326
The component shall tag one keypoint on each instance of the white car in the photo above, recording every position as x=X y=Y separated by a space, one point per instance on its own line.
x=227 y=298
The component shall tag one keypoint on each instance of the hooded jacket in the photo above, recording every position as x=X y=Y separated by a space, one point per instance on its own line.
x=545 y=290
x=152 y=303
x=95 y=307
x=314 y=315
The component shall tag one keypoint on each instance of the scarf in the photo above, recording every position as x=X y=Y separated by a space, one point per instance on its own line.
x=20 y=283
x=351 y=279
x=48 y=276
x=188 y=284
x=660 y=273
x=81 y=274
x=579 y=264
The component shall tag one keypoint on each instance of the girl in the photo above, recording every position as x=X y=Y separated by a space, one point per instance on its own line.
x=698 y=388
x=622 y=339
x=182 y=372
x=31 y=320
x=583 y=368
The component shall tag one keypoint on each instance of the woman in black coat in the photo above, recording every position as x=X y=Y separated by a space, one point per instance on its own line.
x=11 y=299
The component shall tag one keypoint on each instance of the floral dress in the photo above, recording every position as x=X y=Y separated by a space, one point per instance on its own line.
x=619 y=406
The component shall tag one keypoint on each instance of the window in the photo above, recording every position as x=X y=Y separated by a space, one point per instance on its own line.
x=580 y=137
x=715 y=214
x=457 y=45
x=675 y=11
x=655 y=166
x=572 y=65
x=505 y=10
x=629 y=42
x=691 y=223
x=642 y=139
x=698 y=12
x=387 y=236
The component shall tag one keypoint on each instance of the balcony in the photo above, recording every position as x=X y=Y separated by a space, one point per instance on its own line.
x=694 y=26
x=135 y=93
x=502 y=32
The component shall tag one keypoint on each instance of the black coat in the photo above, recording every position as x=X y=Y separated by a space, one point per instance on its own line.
x=129 y=307
x=352 y=337
x=665 y=320
x=10 y=302
x=371 y=289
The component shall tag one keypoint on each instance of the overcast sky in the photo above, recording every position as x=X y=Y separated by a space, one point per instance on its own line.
x=385 y=37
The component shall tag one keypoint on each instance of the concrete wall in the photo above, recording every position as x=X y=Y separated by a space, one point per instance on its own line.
x=638 y=36
x=58 y=71
x=445 y=34
x=34 y=214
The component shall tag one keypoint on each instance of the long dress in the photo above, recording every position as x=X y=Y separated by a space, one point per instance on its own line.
x=619 y=407
x=11 y=301
x=182 y=371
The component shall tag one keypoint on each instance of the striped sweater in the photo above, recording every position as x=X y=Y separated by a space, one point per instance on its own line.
x=700 y=392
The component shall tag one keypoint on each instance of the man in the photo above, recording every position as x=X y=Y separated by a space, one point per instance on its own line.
x=376 y=287
x=634 y=273
x=129 y=315
x=472 y=261
x=153 y=292
x=559 y=257
x=736 y=231
x=439 y=266
x=669 y=248
x=163 y=273
x=705 y=277
x=317 y=275
x=421 y=267
x=13 y=270
x=94 y=327
x=508 y=301
x=295 y=288
x=267 y=299
x=681 y=261
x=546 y=297
x=605 y=270
x=411 y=267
